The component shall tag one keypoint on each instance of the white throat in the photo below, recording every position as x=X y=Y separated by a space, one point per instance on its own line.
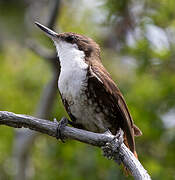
x=73 y=68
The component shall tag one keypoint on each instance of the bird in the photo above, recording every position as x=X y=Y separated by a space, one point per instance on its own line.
x=91 y=98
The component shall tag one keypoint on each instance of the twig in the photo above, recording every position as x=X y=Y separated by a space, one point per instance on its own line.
x=96 y=139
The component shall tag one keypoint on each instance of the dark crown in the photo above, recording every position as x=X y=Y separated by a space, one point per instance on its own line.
x=84 y=43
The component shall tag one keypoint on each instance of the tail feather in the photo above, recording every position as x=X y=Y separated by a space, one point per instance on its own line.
x=127 y=145
x=137 y=131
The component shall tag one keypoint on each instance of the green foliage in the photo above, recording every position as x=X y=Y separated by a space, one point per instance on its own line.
x=116 y=8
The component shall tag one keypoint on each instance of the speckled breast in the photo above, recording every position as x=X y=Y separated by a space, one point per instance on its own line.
x=86 y=112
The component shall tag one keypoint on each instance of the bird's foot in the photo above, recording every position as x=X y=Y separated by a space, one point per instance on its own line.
x=111 y=149
x=60 y=126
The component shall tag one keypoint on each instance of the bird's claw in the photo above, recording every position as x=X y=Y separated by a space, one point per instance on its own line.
x=60 y=126
x=110 y=150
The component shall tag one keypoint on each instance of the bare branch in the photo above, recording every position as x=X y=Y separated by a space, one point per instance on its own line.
x=95 y=139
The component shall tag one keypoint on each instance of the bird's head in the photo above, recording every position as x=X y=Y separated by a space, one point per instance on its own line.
x=72 y=43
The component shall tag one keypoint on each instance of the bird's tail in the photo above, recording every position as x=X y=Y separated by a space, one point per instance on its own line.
x=127 y=145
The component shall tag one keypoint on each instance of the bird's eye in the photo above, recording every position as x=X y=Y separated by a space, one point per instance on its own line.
x=70 y=38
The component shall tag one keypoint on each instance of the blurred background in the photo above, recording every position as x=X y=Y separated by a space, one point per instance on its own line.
x=137 y=40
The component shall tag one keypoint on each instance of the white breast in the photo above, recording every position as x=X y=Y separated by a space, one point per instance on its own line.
x=73 y=69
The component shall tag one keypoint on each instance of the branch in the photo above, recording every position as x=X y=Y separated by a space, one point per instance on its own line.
x=95 y=139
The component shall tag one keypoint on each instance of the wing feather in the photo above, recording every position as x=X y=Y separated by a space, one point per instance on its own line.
x=102 y=85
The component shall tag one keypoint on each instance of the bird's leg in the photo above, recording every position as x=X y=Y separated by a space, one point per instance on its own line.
x=60 y=126
x=111 y=149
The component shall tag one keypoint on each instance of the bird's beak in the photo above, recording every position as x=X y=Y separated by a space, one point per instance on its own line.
x=48 y=31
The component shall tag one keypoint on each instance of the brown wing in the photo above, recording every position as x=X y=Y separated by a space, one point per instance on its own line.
x=111 y=100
